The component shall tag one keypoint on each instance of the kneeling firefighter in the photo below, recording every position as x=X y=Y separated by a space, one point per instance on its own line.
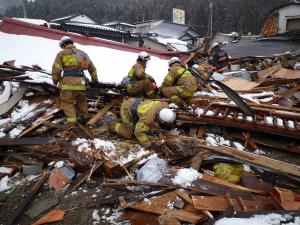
x=139 y=116
x=138 y=82
x=179 y=84
x=72 y=82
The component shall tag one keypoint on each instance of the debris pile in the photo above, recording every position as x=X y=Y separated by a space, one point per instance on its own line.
x=225 y=161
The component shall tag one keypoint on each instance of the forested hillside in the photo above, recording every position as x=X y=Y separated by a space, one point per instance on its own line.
x=229 y=15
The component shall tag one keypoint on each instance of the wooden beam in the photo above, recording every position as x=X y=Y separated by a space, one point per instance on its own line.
x=275 y=165
x=101 y=113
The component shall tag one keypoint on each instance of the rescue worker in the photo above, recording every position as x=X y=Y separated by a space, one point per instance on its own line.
x=68 y=70
x=220 y=58
x=139 y=83
x=179 y=84
x=139 y=116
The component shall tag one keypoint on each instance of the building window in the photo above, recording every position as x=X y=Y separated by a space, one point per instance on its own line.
x=293 y=24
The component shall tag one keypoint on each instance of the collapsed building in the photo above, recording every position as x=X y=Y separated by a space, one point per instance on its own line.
x=85 y=174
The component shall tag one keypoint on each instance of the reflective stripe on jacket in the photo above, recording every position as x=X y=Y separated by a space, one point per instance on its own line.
x=67 y=61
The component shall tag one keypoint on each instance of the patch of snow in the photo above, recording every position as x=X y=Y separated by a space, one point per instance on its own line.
x=184 y=177
x=249 y=118
x=59 y=164
x=291 y=124
x=96 y=217
x=114 y=216
x=199 y=111
x=260 y=152
x=238 y=146
x=211 y=141
x=4 y=96
x=210 y=113
x=269 y=219
x=269 y=120
x=33 y=21
x=16 y=131
x=279 y=122
x=5 y=184
x=173 y=106
x=5 y=170
x=2 y=134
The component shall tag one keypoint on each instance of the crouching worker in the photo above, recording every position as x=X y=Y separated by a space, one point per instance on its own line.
x=68 y=70
x=139 y=83
x=179 y=84
x=139 y=116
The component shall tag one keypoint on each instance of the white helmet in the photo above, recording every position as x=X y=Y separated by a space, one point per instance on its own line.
x=174 y=60
x=145 y=56
x=166 y=116
x=216 y=44
x=64 y=41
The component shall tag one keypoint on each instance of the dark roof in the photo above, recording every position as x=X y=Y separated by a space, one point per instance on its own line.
x=292 y=2
x=172 y=29
x=65 y=18
x=262 y=47
x=147 y=21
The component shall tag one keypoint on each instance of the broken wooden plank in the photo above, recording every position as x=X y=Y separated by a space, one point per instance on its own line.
x=261 y=161
x=101 y=113
x=290 y=91
x=24 y=141
x=159 y=205
x=39 y=122
x=220 y=204
x=76 y=183
x=187 y=198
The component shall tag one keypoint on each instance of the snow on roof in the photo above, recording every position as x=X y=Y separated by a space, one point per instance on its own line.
x=112 y=64
x=65 y=17
x=94 y=26
x=174 y=43
x=117 y=23
x=33 y=21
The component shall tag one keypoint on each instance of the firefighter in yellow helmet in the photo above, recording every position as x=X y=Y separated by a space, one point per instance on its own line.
x=179 y=84
x=67 y=70
x=138 y=82
x=139 y=116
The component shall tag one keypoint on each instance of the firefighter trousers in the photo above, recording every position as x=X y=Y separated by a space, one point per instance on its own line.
x=73 y=103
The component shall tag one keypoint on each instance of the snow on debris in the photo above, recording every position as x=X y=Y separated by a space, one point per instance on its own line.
x=5 y=183
x=215 y=140
x=112 y=65
x=96 y=217
x=4 y=96
x=184 y=177
x=5 y=170
x=8 y=183
x=269 y=219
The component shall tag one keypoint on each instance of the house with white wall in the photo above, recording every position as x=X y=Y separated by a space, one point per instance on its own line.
x=288 y=17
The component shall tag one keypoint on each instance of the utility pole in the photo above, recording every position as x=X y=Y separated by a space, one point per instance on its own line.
x=210 y=18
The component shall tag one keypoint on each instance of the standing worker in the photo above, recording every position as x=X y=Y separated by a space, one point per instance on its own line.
x=139 y=83
x=72 y=82
x=139 y=116
x=179 y=84
x=220 y=59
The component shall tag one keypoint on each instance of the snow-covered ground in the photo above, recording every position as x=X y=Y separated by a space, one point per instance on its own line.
x=112 y=65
